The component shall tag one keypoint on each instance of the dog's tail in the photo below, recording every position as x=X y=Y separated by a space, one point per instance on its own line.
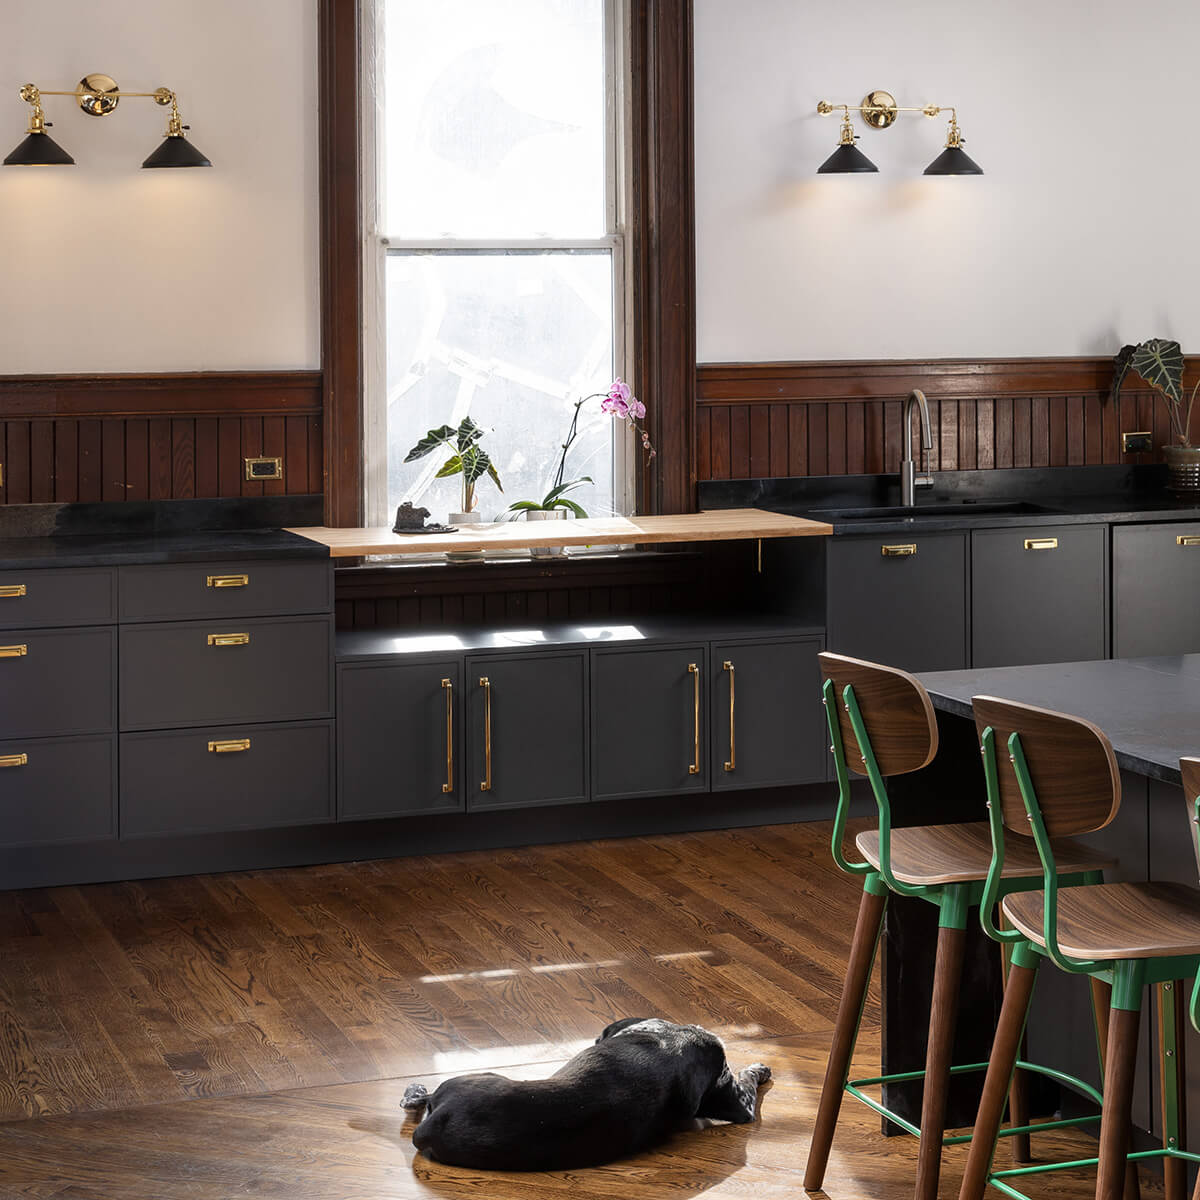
x=415 y=1098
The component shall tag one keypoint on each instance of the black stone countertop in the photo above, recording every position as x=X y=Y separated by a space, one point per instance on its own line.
x=120 y=550
x=1148 y=707
x=962 y=499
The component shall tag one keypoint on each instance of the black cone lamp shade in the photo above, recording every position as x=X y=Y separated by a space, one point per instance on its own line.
x=39 y=150
x=847 y=159
x=176 y=151
x=954 y=160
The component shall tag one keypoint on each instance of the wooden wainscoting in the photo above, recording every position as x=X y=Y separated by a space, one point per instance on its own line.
x=776 y=419
x=157 y=437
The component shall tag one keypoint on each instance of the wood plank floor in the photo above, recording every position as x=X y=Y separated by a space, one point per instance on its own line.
x=252 y=1033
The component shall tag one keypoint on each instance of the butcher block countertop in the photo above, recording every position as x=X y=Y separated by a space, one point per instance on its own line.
x=718 y=525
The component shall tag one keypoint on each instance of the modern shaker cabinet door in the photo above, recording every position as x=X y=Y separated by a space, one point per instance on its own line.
x=767 y=727
x=63 y=596
x=227 y=777
x=57 y=681
x=203 y=672
x=1156 y=590
x=899 y=600
x=1039 y=595
x=58 y=790
x=526 y=726
x=400 y=739
x=649 y=721
x=254 y=588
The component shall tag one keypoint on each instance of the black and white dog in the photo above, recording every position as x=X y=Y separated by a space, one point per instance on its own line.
x=640 y=1081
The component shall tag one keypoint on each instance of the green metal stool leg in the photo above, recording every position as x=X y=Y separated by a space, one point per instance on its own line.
x=1174 y=1087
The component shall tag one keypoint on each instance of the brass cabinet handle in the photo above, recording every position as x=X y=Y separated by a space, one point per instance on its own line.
x=233 y=746
x=13 y=651
x=731 y=765
x=1188 y=539
x=905 y=551
x=486 y=684
x=1041 y=543
x=694 y=765
x=224 y=581
x=13 y=760
x=10 y=591
x=448 y=688
x=229 y=639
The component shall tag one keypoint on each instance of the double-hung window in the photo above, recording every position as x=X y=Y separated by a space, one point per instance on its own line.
x=494 y=246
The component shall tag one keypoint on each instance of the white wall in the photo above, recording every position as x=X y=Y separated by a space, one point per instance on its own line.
x=1075 y=240
x=106 y=267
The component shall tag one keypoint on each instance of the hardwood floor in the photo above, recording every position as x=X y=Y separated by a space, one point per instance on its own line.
x=252 y=1033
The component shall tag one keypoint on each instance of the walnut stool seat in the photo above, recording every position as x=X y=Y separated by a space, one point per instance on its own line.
x=932 y=854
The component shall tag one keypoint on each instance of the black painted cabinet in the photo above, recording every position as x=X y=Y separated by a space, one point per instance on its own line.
x=526 y=729
x=1156 y=590
x=900 y=600
x=58 y=790
x=1039 y=595
x=649 y=721
x=767 y=722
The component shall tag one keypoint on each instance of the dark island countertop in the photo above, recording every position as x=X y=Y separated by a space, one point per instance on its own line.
x=1148 y=707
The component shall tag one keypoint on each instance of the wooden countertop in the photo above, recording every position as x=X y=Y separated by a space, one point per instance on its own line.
x=718 y=525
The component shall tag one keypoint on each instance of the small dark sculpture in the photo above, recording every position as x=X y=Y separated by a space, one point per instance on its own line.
x=409 y=519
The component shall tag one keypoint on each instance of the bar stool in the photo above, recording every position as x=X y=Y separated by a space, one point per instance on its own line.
x=881 y=723
x=1061 y=778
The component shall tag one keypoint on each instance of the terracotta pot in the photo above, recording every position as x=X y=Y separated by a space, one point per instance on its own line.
x=1183 y=469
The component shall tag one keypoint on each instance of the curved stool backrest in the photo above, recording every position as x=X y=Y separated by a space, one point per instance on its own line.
x=1190 y=770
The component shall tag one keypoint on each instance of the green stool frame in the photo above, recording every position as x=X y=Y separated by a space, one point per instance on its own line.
x=953 y=902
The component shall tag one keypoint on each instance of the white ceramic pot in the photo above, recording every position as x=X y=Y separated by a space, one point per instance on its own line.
x=554 y=514
x=459 y=519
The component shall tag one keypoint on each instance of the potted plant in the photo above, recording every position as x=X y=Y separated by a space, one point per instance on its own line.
x=1159 y=362
x=619 y=402
x=467 y=458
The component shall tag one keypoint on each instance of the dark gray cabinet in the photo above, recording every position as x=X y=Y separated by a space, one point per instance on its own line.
x=1156 y=590
x=62 y=596
x=767 y=720
x=1039 y=594
x=649 y=721
x=526 y=729
x=57 y=681
x=200 y=591
x=58 y=790
x=900 y=600
x=400 y=738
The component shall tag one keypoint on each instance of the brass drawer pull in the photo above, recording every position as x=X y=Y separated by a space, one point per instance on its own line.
x=1188 y=539
x=10 y=591
x=13 y=651
x=229 y=639
x=486 y=684
x=905 y=551
x=224 y=581
x=731 y=765
x=1041 y=543
x=694 y=765
x=233 y=746
x=448 y=688
x=13 y=760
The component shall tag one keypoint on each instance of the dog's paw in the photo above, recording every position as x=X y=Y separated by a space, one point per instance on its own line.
x=762 y=1071
x=416 y=1095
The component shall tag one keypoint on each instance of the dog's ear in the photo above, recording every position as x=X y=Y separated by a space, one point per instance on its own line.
x=617 y=1026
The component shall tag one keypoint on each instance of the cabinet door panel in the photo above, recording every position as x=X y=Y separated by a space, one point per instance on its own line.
x=400 y=739
x=58 y=790
x=899 y=600
x=1039 y=595
x=57 y=597
x=537 y=707
x=649 y=721
x=57 y=681
x=1156 y=582
x=768 y=724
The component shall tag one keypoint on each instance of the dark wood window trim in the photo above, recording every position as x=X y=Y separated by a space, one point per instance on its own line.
x=661 y=238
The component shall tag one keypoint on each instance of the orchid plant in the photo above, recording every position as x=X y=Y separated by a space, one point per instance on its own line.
x=619 y=402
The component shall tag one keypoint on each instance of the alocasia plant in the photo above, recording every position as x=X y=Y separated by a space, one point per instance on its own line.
x=467 y=457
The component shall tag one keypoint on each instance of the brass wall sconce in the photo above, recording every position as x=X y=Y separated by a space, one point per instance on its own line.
x=879 y=110
x=99 y=95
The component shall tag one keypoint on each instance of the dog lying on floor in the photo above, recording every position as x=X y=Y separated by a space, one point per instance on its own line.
x=641 y=1080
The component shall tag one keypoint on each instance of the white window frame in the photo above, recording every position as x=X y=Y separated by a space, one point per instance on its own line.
x=376 y=245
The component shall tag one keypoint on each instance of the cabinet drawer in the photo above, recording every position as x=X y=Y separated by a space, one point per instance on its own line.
x=266 y=776
x=57 y=681
x=1156 y=584
x=37 y=599
x=65 y=790
x=204 y=672
x=258 y=588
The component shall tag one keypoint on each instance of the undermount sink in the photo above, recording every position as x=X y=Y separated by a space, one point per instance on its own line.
x=932 y=510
